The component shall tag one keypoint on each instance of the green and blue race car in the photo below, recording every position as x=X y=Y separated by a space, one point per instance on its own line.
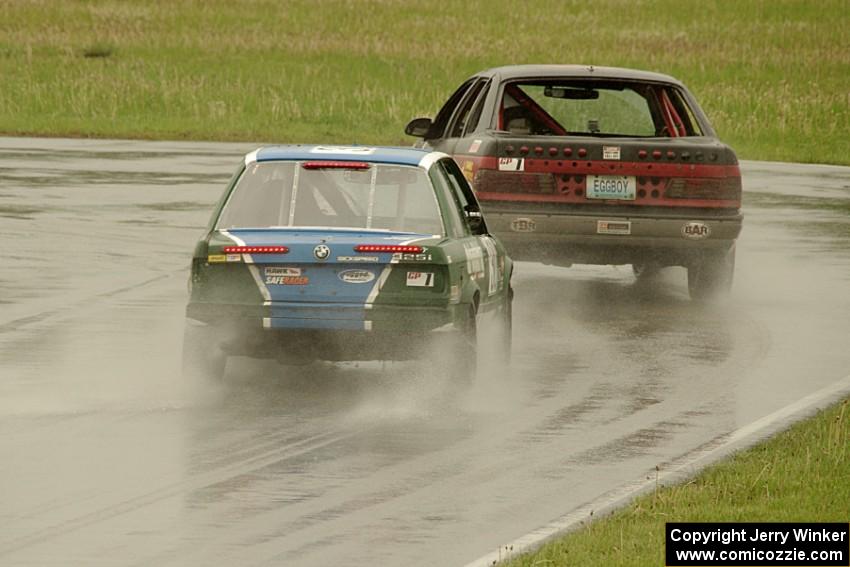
x=346 y=253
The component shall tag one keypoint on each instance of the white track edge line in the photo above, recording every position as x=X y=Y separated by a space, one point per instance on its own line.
x=684 y=467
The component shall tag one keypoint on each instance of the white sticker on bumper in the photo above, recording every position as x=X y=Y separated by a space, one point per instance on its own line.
x=622 y=228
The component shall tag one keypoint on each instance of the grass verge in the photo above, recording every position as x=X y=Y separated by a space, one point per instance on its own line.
x=803 y=474
x=771 y=74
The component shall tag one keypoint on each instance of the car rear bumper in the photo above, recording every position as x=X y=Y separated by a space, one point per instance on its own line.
x=326 y=316
x=324 y=331
x=612 y=239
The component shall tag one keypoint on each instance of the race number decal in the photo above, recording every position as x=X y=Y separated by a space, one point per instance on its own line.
x=420 y=279
x=511 y=164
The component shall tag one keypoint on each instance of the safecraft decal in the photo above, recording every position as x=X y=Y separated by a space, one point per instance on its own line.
x=287 y=280
x=474 y=146
x=234 y=257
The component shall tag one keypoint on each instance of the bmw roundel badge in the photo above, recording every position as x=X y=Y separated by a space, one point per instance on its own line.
x=321 y=252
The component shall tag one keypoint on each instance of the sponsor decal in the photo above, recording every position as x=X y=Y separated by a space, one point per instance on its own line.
x=287 y=280
x=321 y=252
x=356 y=276
x=523 y=224
x=420 y=279
x=511 y=164
x=492 y=265
x=468 y=169
x=610 y=152
x=282 y=271
x=696 y=230
x=234 y=257
x=357 y=259
x=474 y=146
x=474 y=260
x=216 y=258
x=614 y=227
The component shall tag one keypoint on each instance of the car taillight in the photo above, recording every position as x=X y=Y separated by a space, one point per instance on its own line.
x=256 y=250
x=335 y=165
x=493 y=181
x=391 y=248
x=710 y=188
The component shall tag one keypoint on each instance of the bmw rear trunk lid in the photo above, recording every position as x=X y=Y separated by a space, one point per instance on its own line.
x=323 y=266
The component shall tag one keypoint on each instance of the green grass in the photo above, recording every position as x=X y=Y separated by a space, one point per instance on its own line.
x=802 y=474
x=771 y=74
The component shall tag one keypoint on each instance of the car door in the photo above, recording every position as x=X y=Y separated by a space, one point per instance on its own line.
x=485 y=255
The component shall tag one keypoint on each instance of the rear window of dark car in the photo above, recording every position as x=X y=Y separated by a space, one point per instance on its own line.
x=584 y=107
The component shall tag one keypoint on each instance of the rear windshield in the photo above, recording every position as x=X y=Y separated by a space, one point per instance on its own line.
x=284 y=194
x=595 y=108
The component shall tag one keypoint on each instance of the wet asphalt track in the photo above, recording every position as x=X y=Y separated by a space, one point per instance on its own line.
x=106 y=459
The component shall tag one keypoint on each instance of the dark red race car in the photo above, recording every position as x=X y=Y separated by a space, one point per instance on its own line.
x=598 y=165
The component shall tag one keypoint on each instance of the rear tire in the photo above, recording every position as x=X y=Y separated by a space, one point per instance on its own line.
x=203 y=357
x=711 y=275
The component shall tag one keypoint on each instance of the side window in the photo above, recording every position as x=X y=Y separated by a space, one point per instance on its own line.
x=463 y=112
x=691 y=125
x=475 y=115
x=440 y=122
x=460 y=187
x=455 y=225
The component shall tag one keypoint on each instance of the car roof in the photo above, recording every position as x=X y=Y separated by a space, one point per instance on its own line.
x=371 y=154
x=580 y=71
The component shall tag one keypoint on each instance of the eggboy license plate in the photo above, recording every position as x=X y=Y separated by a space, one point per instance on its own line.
x=620 y=187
